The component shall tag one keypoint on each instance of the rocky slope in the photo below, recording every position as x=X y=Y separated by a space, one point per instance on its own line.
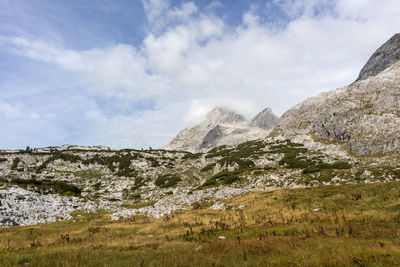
x=37 y=187
x=383 y=58
x=223 y=127
x=364 y=115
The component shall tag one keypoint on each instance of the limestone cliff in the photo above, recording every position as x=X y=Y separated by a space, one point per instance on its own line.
x=365 y=115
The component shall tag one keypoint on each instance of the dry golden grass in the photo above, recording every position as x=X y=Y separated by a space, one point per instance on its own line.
x=357 y=225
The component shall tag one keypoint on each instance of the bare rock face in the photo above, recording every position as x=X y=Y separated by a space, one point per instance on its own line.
x=365 y=115
x=223 y=127
x=212 y=137
x=266 y=119
x=383 y=58
x=222 y=115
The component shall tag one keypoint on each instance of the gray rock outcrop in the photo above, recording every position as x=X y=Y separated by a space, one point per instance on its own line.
x=22 y=207
x=365 y=115
x=384 y=57
x=223 y=127
x=266 y=119
x=212 y=137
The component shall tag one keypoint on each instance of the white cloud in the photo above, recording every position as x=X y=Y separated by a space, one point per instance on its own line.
x=155 y=10
x=12 y=111
x=199 y=108
x=118 y=71
x=183 y=12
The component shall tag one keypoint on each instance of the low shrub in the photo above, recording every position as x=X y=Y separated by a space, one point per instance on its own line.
x=14 y=164
x=192 y=156
x=325 y=166
x=208 y=167
x=167 y=180
x=59 y=187
x=59 y=155
x=227 y=177
x=139 y=182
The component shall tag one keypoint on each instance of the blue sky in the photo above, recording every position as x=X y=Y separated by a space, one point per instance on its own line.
x=132 y=73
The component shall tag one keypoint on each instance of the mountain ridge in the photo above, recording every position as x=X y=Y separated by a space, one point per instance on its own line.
x=364 y=115
x=223 y=126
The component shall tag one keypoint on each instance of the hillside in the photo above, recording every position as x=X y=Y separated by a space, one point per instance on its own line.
x=159 y=182
x=364 y=115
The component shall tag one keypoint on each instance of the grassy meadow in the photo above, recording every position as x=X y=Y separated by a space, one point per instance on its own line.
x=344 y=225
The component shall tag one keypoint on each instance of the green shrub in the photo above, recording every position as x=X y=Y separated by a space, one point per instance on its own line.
x=139 y=182
x=97 y=186
x=126 y=172
x=3 y=160
x=189 y=155
x=208 y=167
x=324 y=166
x=14 y=164
x=58 y=155
x=340 y=165
x=153 y=162
x=60 y=187
x=311 y=169
x=167 y=180
x=227 y=177
x=209 y=182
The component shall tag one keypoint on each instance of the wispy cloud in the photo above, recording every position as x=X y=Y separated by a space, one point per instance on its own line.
x=15 y=112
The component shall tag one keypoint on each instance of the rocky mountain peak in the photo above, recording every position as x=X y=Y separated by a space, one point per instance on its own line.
x=266 y=119
x=223 y=127
x=224 y=115
x=383 y=58
x=364 y=115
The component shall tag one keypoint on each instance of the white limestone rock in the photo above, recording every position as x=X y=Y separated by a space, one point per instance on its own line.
x=24 y=207
x=223 y=127
x=364 y=115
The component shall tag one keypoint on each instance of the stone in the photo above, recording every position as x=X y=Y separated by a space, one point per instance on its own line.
x=266 y=120
x=383 y=58
x=365 y=115
x=223 y=127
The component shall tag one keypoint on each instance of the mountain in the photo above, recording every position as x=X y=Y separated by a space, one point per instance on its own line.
x=223 y=127
x=383 y=58
x=266 y=119
x=365 y=115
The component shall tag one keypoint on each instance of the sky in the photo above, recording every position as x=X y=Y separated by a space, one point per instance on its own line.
x=133 y=73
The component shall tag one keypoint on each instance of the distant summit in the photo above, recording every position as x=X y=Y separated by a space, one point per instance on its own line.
x=223 y=127
x=224 y=115
x=266 y=119
x=383 y=58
